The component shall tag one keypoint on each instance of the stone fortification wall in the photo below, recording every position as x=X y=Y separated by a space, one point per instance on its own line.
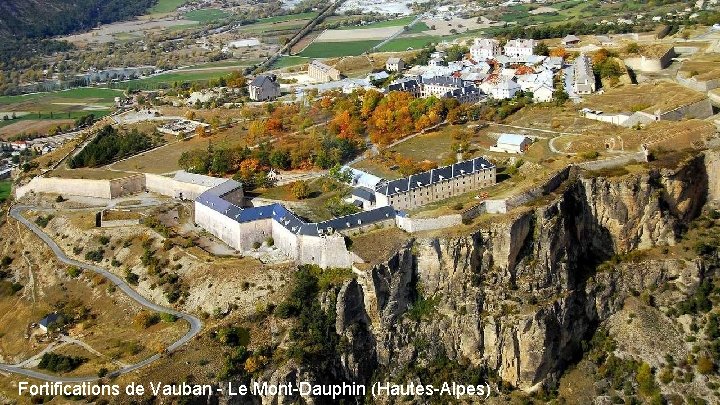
x=76 y=187
x=170 y=187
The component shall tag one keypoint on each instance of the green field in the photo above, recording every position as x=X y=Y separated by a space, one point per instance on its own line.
x=55 y=115
x=98 y=95
x=382 y=24
x=287 y=61
x=166 y=80
x=206 y=15
x=334 y=49
x=403 y=43
x=167 y=6
x=289 y=17
x=225 y=63
x=5 y=187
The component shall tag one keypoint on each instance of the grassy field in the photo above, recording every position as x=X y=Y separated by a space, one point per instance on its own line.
x=167 y=79
x=403 y=43
x=381 y=24
x=206 y=15
x=334 y=49
x=167 y=6
x=90 y=94
x=5 y=187
x=224 y=63
x=289 y=17
x=287 y=61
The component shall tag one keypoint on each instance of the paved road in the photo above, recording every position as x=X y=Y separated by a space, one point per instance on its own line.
x=195 y=323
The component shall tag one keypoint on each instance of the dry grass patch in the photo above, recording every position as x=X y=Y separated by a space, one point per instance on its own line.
x=647 y=97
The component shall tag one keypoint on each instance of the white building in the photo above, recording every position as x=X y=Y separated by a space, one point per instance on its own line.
x=394 y=65
x=512 y=143
x=520 y=47
x=484 y=48
x=504 y=89
x=543 y=93
x=322 y=72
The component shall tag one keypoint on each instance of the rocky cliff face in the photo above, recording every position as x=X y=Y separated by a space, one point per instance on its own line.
x=519 y=297
x=515 y=299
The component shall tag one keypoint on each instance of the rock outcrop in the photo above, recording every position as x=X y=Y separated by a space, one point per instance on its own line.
x=520 y=296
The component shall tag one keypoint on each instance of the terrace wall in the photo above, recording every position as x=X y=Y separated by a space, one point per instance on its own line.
x=127 y=185
x=701 y=86
x=701 y=109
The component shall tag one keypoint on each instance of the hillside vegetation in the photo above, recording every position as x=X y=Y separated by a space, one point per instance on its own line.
x=46 y=18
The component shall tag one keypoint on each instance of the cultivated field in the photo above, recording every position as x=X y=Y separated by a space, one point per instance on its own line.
x=335 y=49
x=28 y=126
x=360 y=34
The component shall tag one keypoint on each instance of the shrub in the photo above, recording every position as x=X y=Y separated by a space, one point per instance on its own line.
x=73 y=272
x=705 y=365
x=104 y=240
x=168 y=317
x=60 y=363
x=270 y=241
x=256 y=245
x=95 y=255
x=146 y=319
x=132 y=278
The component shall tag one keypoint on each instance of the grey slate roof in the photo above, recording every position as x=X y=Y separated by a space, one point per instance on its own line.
x=286 y=218
x=423 y=179
x=364 y=193
x=49 y=320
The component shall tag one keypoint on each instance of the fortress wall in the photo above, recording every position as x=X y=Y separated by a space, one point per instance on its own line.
x=172 y=188
x=701 y=109
x=127 y=185
x=285 y=240
x=76 y=187
x=371 y=226
x=426 y=224
x=325 y=251
x=219 y=225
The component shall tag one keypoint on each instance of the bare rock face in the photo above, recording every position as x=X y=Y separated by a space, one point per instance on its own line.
x=520 y=296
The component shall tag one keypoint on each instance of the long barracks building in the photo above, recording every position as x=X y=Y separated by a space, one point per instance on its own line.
x=436 y=184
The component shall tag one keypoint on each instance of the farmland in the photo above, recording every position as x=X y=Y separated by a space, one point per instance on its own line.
x=398 y=22
x=206 y=15
x=167 y=79
x=167 y=6
x=333 y=49
x=86 y=95
x=415 y=42
x=288 y=61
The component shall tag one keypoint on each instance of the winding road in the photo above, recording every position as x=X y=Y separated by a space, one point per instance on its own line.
x=195 y=323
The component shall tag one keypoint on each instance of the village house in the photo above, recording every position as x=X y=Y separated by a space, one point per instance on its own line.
x=322 y=72
x=583 y=76
x=520 y=47
x=570 y=41
x=485 y=48
x=502 y=89
x=512 y=143
x=395 y=65
x=436 y=184
x=264 y=87
x=46 y=323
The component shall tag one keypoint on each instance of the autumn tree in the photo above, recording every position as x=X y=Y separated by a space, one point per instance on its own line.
x=300 y=189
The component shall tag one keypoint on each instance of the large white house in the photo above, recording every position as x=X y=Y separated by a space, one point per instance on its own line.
x=504 y=89
x=512 y=143
x=484 y=49
x=520 y=47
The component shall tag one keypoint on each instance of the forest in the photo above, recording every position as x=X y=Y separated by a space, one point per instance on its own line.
x=109 y=145
x=47 y=18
